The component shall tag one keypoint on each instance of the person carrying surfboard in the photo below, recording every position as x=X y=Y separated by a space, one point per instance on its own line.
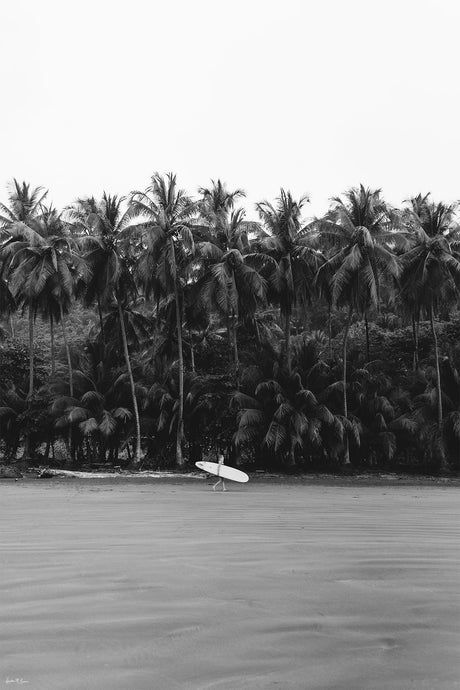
x=220 y=461
x=222 y=471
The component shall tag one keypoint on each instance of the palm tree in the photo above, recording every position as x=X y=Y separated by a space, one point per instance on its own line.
x=13 y=410
x=436 y=219
x=440 y=444
x=95 y=412
x=41 y=273
x=361 y=208
x=18 y=227
x=166 y=260
x=66 y=269
x=216 y=206
x=357 y=267
x=26 y=279
x=42 y=265
x=285 y=419
x=111 y=279
x=164 y=399
x=450 y=376
x=375 y=411
x=24 y=204
x=431 y=272
x=80 y=218
x=234 y=288
x=289 y=243
x=137 y=326
x=230 y=285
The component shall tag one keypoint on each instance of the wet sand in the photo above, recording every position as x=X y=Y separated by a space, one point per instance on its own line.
x=161 y=586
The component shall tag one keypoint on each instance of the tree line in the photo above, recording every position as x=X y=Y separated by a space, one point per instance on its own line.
x=289 y=342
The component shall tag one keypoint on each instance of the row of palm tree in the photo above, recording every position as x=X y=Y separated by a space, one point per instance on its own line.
x=197 y=265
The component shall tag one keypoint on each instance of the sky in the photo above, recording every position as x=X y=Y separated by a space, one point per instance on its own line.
x=314 y=96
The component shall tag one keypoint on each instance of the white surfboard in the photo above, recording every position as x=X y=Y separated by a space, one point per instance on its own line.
x=223 y=471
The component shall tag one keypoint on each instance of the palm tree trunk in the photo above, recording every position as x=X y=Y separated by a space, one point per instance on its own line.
x=192 y=352
x=69 y=365
x=67 y=350
x=52 y=344
x=31 y=375
x=415 y=329
x=345 y=401
x=180 y=420
x=368 y=349
x=137 y=457
x=31 y=350
x=287 y=336
x=235 y=350
x=329 y=328
x=12 y=325
x=438 y=373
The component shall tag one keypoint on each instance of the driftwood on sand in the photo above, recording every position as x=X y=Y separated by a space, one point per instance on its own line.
x=47 y=472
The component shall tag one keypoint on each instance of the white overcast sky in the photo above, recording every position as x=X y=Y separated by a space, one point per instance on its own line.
x=311 y=95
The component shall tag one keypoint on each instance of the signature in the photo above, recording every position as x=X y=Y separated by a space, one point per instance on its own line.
x=18 y=681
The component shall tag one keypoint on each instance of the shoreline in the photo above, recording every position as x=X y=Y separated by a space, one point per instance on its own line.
x=56 y=476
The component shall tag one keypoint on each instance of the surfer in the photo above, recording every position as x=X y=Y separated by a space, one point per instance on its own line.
x=220 y=461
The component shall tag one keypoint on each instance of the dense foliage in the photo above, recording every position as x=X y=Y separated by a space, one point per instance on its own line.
x=157 y=329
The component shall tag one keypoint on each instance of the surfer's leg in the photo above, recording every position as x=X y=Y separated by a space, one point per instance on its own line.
x=216 y=484
x=223 y=485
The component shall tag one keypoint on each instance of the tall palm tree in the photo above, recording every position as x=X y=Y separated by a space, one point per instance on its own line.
x=362 y=207
x=435 y=219
x=289 y=243
x=27 y=273
x=431 y=272
x=166 y=260
x=358 y=265
x=110 y=277
x=41 y=275
x=65 y=268
x=230 y=285
x=18 y=229
x=80 y=218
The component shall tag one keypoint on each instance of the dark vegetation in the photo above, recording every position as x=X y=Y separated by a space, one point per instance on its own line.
x=153 y=330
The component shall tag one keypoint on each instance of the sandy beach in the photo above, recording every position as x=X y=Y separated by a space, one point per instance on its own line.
x=165 y=586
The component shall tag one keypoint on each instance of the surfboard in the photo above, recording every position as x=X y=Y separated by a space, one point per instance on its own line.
x=223 y=471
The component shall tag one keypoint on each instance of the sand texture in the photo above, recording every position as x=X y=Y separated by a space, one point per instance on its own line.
x=171 y=586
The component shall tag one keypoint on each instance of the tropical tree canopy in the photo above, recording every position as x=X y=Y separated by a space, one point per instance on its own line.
x=156 y=328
